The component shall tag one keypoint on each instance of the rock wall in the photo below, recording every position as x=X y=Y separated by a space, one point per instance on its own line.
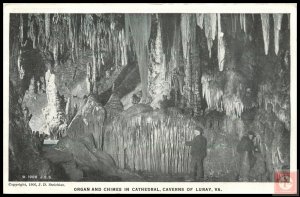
x=88 y=120
x=24 y=154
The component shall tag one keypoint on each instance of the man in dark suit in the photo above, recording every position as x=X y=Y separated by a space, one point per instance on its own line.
x=246 y=149
x=198 y=153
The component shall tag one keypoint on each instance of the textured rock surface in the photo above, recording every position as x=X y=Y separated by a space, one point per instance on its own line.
x=80 y=160
x=87 y=157
x=113 y=106
x=88 y=120
x=223 y=70
x=137 y=109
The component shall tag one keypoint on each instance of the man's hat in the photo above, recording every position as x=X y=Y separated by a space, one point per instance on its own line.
x=198 y=128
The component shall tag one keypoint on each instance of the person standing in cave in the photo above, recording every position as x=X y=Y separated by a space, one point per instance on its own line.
x=246 y=149
x=198 y=153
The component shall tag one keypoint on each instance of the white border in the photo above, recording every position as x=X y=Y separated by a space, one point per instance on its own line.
x=149 y=8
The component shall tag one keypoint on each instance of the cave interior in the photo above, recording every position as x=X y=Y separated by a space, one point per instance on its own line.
x=121 y=93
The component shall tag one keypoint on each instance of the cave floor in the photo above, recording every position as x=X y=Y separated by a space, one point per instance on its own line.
x=150 y=177
x=58 y=157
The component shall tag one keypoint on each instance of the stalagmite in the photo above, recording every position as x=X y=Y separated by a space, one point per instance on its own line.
x=221 y=45
x=266 y=29
x=277 y=26
x=53 y=113
x=210 y=24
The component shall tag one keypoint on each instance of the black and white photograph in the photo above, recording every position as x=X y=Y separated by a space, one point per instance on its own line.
x=159 y=97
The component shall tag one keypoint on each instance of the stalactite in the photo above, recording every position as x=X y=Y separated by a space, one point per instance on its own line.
x=277 y=26
x=195 y=67
x=221 y=45
x=21 y=28
x=243 y=22
x=210 y=24
x=76 y=36
x=176 y=75
x=167 y=26
x=123 y=47
x=158 y=85
x=71 y=37
x=68 y=111
x=140 y=26
x=55 y=53
x=266 y=29
x=233 y=29
x=233 y=92
x=233 y=106
x=127 y=26
x=99 y=52
x=47 y=26
x=176 y=46
x=41 y=31
x=20 y=67
x=212 y=92
x=185 y=34
x=33 y=31
x=200 y=18
x=89 y=80
x=186 y=45
x=70 y=29
x=94 y=70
